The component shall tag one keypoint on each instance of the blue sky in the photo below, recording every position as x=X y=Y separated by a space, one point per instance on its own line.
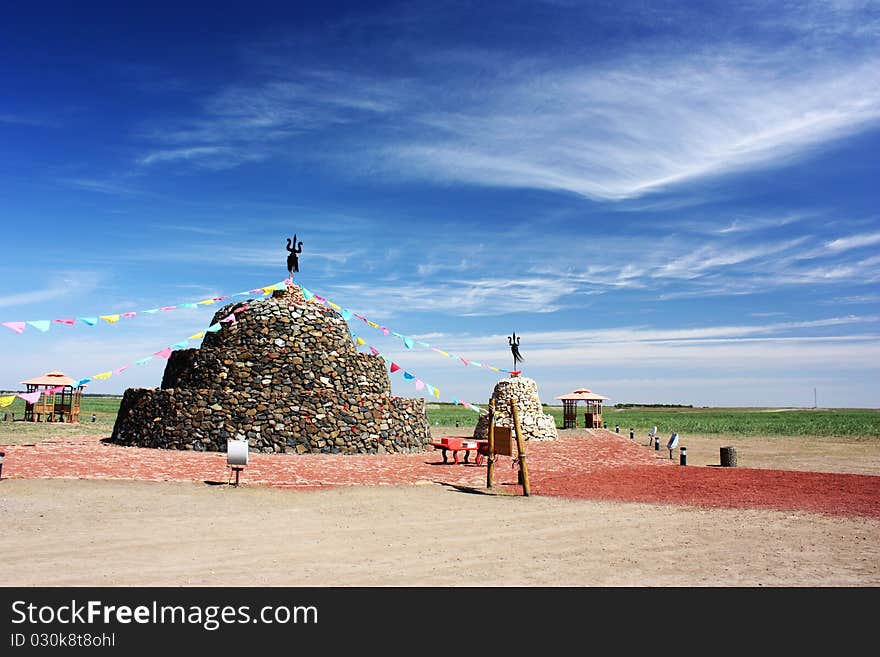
x=668 y=202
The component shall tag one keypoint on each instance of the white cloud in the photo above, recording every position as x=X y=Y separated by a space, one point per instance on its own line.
x=210 y=157
x=853 y=242
x=65 y=284
x=636 y=126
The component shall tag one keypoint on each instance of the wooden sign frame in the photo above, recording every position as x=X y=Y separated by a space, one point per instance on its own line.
x=503 y=441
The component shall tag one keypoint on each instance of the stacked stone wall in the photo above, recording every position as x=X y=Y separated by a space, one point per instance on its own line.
x=314 y=422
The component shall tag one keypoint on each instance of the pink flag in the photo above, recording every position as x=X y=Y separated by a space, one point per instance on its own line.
x=240 y=309
x=464 y=360
x=18 y=327
x=229 y=318
x=120 y=370
x=163 y=308
x=385 y=331
x=165 y=353
x=394 y=367
x=419 y=384
x=30 y=397
x=374 y=350
x=127 y=314
x=70 y=321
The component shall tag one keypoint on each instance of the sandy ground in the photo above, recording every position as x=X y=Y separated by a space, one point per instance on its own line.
x=126 y=533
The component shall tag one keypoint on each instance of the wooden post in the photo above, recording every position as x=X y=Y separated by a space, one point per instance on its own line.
x=521 y=450
x=490 y=465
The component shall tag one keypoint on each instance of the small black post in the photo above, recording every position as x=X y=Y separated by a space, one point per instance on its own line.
x=656 y=443
x=2 y=454
x=683 y=456
x=94 y=417
x=616 y=428
x=604 y=425
x=632 y=434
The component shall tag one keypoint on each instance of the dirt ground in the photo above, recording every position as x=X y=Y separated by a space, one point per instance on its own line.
x=128 y=533
x=112 y=532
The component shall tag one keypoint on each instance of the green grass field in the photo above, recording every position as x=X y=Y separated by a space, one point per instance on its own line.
x=843 y=422
x=854 y=424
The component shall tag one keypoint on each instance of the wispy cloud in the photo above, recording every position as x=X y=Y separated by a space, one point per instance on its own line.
x=465 y=297
x=242 y=122
x=627 y=124
x=102 y=186
x=65 y=284
x=27 y=121
x=631 y=127
x=210 y=157
x=853 y=242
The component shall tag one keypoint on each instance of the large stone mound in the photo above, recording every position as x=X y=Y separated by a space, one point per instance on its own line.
x=535 y=424
x=286 y=376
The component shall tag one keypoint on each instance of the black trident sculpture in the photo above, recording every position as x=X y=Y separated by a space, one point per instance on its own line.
x=292 y=259
x=513 y=341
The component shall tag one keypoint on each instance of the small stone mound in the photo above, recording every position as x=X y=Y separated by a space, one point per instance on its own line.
x=535 y=424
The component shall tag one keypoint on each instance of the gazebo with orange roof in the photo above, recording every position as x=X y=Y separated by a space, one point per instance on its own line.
x=593 y=414
x=60 y=399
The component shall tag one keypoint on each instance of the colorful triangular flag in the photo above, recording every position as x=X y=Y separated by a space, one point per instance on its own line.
x=30 y=397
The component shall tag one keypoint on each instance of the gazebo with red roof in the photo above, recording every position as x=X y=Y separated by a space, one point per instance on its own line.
x=60 y=399
x=593 y=414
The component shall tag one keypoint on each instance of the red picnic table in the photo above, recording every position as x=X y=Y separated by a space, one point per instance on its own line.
x=456 y=445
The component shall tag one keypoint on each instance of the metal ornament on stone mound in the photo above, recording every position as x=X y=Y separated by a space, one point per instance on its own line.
x=293 y=256
x=513 y=341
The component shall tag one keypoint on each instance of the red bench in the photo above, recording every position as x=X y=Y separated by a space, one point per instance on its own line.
x=456 y=445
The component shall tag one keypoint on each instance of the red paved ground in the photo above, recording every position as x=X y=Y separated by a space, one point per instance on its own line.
x=603 y=466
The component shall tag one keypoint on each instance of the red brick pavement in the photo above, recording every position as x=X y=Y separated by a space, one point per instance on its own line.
x=601 y=465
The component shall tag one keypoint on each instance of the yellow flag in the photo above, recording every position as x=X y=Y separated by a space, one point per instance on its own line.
x=268 y=289
x=110 y=319
x=334 y=306
x=373 y=324
x=206 y=302
x=440 y=351
x=6 y=400
x=494 y=369
x=360 y=340
x=437 y=393
x=197 y=336
x=103 y=375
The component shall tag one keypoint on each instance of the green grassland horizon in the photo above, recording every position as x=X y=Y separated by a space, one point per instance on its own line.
x=854 y=423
